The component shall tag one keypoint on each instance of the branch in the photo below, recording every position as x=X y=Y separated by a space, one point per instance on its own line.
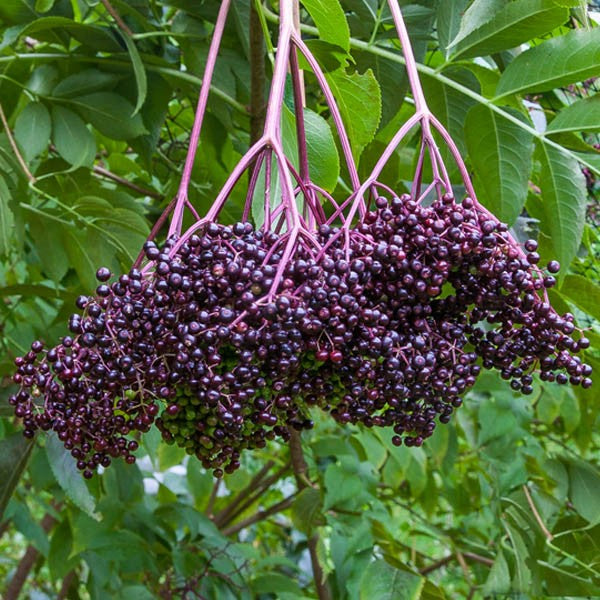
x=13 y=145
x=301 y=473
x=254 y=497
x=213 y=497
x=536 y=514
x=27 y=561
x=102 y=172
x=223 y=514
x=261 y=515
x=66 y=585
x=117 y=17
x=442 y=562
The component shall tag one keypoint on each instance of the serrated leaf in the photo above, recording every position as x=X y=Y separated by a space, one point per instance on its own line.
x=14 y=454
x=449 y=16
x=557 y=62
x=139 y=72
x=73 y=140
x=85 y=82
x=69 y=478
x=584 y=489
x=47 y=236
x=359 y=100
x=60 y=561
x=583 y=293
x=110 y=114
x=501 y=153
x=384 y=582
x=564 y=198
x=583 y=115
x=330 y=20
x=306 y=509
x=7 y=219
x=32 y=129
x=517 y=22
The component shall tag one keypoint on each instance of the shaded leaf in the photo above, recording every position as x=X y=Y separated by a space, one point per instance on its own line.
x=354 y=93
x=584 y=489
x=383 y=582
x=73 y=140
x=501 y=153
x=564 y=199
x=306 y=509
x=110 y=114
x=85 y=82
x=69 y=478
x=583 y=293
x=557 y=62
x=32 y=129
x=449 y=16
x=139 y=72
x=7 y=219
x=14 y=454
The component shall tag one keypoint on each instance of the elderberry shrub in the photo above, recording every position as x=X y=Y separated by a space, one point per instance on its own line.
x=388 y=327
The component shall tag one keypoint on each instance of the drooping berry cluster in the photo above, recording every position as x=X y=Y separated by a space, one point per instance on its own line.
x=223 y=350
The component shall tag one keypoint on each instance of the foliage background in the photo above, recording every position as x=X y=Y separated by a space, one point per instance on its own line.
x=503 y=502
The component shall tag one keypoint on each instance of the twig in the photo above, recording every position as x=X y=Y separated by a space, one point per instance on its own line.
x=222 y=515
x=536 y=514
x=27 y=561
x=213 y=497
x=254 y=497
x=3 y=527
x=301 y=473
x=102 y=172
x=15 y=148
x=442 y=562
x=117 y=17
x=261 y=515
x=66 y=585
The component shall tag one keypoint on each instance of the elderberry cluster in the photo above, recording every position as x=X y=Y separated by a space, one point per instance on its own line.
x=223 y=347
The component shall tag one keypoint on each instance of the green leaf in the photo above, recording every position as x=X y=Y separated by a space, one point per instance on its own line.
x=451 y=107
x=14 y=454
x=47 y=236
x=584 y=489
x=7 y=219
x=383 y=582
x=564 y=198
x=44 y=5
x=85 y=82
x=498 y=581
x=354 y=93
x=60 y=561
x=449 y=16
x=501 y=153
x=110 y=114
x=329 y=18
x=323 y=158
x=139 y=72
x=583 y=115
x=583 y=292
x=73 y=140
x=557 y=62
x=95 y=37
x=340 y=486
x=169 y=455
x=69 y=478
x=306 y=509
x=515 y=23
x=32 y=129
x=136 y=592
